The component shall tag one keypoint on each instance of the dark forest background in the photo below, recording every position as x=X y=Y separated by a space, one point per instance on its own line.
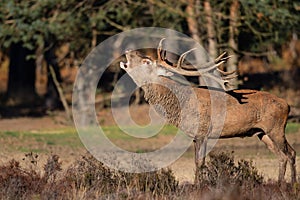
x=35 y=35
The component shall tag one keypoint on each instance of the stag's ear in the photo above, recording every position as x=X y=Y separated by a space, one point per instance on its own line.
x=164 y=72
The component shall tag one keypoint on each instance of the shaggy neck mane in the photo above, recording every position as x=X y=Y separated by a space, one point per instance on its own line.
x=167 y=98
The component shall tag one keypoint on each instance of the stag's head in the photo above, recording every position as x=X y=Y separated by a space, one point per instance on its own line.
x=143 y=69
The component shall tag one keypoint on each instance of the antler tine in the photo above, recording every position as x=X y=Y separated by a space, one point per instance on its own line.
x=182 y=57
x=220 y=57
x=230 y=77
x=226 y=58
x=211 y=63
x=159 y=49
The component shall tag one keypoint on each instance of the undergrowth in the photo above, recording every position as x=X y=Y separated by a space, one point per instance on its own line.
x=221 y=170
x=87 y=178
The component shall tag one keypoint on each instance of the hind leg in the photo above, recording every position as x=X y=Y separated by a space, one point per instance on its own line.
x=292 y=161
x=200 y=144
x=289 y=153
x=283 y=158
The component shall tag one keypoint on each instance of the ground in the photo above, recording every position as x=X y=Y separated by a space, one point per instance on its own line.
x=53 y=134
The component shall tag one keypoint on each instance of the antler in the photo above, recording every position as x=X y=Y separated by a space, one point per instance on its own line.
x=190 y=70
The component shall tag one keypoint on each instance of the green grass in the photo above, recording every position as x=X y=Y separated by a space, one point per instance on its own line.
x=114 y=132
x=292 y=128
x=39 y=141
x=44 y=141
x=9 y=134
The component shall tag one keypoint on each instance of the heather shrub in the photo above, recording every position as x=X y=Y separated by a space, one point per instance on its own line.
x=17 y=183
x=221 y=171
x=99 y=180
x=220 y=178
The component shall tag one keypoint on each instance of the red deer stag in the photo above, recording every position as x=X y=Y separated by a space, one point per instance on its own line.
x=248 y=112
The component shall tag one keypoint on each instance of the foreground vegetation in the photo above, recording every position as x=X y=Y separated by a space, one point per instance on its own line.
x=87 y=178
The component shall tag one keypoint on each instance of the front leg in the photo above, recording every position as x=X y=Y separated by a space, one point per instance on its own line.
x=200 y=143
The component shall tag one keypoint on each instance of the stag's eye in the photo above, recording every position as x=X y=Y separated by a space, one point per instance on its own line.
x=147 y=61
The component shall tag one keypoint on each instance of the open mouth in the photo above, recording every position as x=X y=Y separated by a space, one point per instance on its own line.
x=128 y=55
x=123 y=65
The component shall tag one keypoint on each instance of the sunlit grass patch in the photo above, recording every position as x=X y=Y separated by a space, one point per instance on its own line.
x=114 y=132
x=155 y=138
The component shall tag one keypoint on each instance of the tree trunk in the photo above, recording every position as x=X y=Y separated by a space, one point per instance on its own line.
x=211 y=33
x=192 y=20
x=21 y=77
x=52 y=100
x=233 y=32
x=211 y=39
